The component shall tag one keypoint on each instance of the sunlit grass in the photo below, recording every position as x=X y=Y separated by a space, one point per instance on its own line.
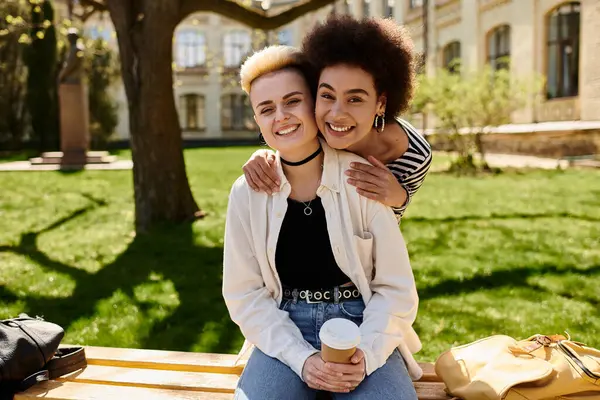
x=515 y=253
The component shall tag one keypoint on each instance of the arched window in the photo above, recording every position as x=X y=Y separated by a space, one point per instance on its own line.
x=451 y=56
x=191 y=112
x=236 y=113
x=190 y=48
x=562 y=62
x=236 y=45
x=499 y=48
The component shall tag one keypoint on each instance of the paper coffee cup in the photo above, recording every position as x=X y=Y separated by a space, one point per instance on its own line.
x=339 y=338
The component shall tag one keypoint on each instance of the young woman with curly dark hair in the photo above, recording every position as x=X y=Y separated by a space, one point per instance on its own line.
x=367 y=78
x=313 y=252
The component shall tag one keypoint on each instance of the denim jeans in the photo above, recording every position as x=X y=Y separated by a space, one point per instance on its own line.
x=266 y=378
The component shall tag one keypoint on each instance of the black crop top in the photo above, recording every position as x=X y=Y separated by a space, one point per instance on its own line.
x=304 y=258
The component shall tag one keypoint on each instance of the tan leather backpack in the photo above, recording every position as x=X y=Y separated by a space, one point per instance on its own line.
x=538 y=368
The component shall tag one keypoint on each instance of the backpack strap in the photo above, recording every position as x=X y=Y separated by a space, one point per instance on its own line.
x=31 y=380
x=65 y=361
x=587 y=375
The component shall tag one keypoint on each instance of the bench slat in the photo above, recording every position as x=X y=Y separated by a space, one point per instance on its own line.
x=185 y=361
x=183 y=380
x=90 y=387
x=163 y=360
x=429 y=374
x=159 y=374
x=54 y=390
x=154 y=378
x=431 y=391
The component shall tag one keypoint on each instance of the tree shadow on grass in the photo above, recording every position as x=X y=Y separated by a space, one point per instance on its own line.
x=494 y=216
x=514 y=278
x=6 y=296
x=170 y=253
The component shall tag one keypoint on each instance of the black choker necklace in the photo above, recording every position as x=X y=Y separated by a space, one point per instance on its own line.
x=307 y=159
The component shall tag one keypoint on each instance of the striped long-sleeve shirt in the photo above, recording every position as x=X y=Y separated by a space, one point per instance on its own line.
x=412 y=167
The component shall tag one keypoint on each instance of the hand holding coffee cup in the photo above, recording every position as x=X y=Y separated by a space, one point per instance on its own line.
x=339 y=339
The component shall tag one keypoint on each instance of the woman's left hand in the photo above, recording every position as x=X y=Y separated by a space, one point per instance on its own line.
x=352 y=373
x=377 y=182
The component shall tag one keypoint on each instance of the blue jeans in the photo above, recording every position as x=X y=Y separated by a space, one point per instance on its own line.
x=266 y=378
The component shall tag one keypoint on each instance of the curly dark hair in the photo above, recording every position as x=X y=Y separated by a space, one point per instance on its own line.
x=379 y=46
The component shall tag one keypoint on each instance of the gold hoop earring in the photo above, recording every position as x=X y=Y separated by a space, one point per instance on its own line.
x=382 y=123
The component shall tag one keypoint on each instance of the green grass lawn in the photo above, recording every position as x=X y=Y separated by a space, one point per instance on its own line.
x=515 y=253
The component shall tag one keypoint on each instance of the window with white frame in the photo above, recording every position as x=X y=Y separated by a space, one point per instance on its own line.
x=236 y=45
x=388 y=8
x=192 y=112
x=236 y=112
x=366 y=8
x=451 y=56
x=562 y=52
x=499 y=48
x=190 y=48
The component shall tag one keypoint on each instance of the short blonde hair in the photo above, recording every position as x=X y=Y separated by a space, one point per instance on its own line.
x=271 y=59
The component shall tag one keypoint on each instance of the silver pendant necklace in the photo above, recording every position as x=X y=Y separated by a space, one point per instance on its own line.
x=307 y=209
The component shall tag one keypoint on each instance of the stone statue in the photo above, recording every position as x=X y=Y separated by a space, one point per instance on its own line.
x=73 y=97
x=72 y=71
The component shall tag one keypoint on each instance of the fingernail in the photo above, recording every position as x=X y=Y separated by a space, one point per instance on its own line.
x=347 y=172
x=353 y=165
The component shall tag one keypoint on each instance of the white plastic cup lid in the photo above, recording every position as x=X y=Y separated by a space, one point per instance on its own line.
x=340 y=334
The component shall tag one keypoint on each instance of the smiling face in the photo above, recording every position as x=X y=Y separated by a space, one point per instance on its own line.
x=346 y=106
x=284 y=111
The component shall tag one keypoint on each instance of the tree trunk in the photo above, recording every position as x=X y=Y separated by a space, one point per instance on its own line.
x=161 y=189
x=42 y=98
x=481 y=150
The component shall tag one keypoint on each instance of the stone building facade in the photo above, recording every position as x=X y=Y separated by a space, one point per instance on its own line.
x=557 y=38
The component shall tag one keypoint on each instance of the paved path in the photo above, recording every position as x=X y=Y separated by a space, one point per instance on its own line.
x=26 y=166
x=494 y=160
x=520 y=161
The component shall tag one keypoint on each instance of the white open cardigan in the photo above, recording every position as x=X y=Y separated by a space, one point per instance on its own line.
x=367 y=246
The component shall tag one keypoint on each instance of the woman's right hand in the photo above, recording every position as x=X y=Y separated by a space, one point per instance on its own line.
x=261 y=173
x=318 y=377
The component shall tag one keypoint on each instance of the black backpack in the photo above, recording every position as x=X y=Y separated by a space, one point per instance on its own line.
x=30 y=353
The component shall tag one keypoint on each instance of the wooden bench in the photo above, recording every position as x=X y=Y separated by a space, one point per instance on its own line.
x=131 y=374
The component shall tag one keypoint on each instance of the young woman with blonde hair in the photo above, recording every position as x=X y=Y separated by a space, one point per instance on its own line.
x=313 y=251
